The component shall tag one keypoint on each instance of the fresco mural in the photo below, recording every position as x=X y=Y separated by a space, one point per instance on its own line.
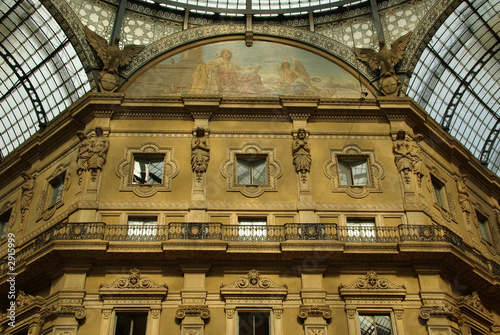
x=233 y=69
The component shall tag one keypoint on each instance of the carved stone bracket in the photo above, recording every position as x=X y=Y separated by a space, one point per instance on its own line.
x=445 y=311
x=315 y=311
x=55 y=310
x=201 y=311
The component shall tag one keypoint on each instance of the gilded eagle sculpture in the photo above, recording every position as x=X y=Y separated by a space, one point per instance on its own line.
x=386 y=59
x=112 y=57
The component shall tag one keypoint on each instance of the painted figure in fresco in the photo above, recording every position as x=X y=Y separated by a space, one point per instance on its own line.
x=200 y=151
x=222 y=76
x=301 y=152
x=297 y=80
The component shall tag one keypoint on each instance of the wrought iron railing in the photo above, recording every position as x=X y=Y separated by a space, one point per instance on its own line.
x=246 y=233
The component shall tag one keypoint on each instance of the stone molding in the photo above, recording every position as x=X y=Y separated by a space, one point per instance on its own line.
x=274 y=169
x=376 y=171
x=444 y=311
x=125 y=169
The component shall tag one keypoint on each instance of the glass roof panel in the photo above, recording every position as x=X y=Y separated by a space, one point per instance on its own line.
x=457 y=78
x=40 y=74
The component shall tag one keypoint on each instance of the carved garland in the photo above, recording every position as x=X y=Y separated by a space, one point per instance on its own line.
x=125 y=169
x=274 y=169
x=376 y=171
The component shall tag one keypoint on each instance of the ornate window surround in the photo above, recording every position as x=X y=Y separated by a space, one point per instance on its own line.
x=274 y=169
x=45 y=209
x=132 y=293
x=376 y=171
x=373 y=295
x=254 y=293
x=125 y=169
x=448 y=213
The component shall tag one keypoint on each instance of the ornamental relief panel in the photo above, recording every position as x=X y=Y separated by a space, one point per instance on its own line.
x=54 y=190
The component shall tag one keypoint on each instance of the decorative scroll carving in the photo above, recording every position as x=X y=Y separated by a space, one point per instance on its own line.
x=386 y=59
x=200 y=152
x=27 y=194
x=201 y=311
x=315 y=311
x=447 y=311
x=24 y=300
x=133 y=281
x=372 y=282
x=474 y=302
x=253 y=280
x=301 y=151
x=112 y=57
x=57 y=310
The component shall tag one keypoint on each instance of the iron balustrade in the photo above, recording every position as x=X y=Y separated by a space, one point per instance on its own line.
x=245 y=233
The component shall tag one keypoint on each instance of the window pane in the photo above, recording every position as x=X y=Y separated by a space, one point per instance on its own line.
x=131 y=323
x=255 y=323
x=243 y=171
x=375 y=324
x=359 y=173
x=483 y=228
x=438 y=192
x=344 y=173
x=57 y=189
x=259 y=172
x=148 y=171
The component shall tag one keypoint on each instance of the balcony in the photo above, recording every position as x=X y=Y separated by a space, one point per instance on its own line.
x=100 y=234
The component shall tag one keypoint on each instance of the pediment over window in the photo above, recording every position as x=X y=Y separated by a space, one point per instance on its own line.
x=372 y=285
x=133 y=286
x=253 y=284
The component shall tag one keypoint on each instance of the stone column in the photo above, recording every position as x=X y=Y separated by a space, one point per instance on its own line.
x=315 y=319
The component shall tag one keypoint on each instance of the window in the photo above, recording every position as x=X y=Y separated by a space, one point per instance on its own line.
x=148 y=170
x=251 y=170
x=361 y=230
x=353 y=172
x=438 y=192
x=131 y=323
x=57 y=186
x=142 y=228
x=4 y=223
x=483 y=226
x=375 y=324
x=252 y=229
x=253 y=323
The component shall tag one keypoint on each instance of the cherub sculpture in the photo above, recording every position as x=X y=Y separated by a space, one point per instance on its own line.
x=386 y=59
x=112 y=57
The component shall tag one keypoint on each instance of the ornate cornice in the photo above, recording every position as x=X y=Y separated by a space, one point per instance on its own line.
x=57 y=310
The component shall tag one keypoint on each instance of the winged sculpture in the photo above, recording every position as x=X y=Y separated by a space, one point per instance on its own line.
x=385 y=59
x=112 y=57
